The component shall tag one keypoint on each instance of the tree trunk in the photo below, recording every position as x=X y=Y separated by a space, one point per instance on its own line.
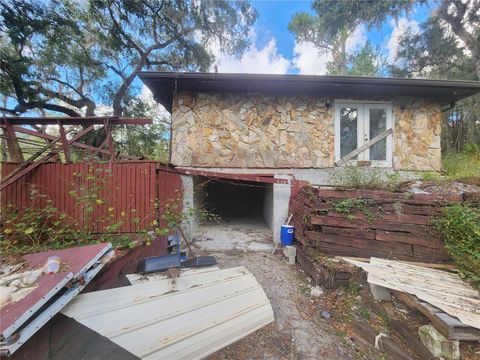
x=477 y=66
x=122 y=91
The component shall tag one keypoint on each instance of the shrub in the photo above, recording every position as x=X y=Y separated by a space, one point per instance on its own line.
x=460 y=227
x=370 y=178
x=37 y=228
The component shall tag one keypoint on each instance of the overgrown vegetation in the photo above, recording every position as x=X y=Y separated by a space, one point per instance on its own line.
x=459 y=225
x=348 y=207
x=37 y=227
x=40 y=226
x=359 y=177
x=463 y=164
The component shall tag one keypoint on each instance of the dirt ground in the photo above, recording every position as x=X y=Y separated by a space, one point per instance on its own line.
x=296 y=332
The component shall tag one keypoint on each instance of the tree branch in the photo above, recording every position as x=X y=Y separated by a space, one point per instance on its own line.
x=22 y=108
x=124 y=34
x=455 y=22
x=10 y=111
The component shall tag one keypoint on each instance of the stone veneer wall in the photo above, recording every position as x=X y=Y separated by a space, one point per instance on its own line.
x=260 y=131
x=237 y=130
x=416 y=135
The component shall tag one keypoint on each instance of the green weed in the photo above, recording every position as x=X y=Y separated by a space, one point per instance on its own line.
x=460 y=227
x=359 y=177
x=464 y=164
x=347 y=207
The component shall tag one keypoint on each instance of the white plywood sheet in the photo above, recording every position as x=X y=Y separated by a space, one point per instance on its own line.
x=444 y=290
x=185 y=318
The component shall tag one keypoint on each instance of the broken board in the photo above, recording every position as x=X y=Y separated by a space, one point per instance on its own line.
x=447 y=325
x=441 y=289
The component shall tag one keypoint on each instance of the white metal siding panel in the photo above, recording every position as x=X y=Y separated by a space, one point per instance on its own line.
x=136 y=279
x=187 y=318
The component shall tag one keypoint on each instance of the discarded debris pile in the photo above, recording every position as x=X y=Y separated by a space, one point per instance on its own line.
x=369 y=223
x=186 y=317
x=31 y=297
x=365 y=325
x=387 y=329
x=452 y=306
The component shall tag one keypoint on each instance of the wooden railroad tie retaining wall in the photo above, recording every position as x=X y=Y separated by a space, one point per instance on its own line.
x=381 y=224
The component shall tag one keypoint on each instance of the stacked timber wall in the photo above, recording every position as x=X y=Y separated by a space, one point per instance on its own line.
x=369 y=223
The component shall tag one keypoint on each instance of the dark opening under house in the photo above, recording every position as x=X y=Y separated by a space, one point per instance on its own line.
x=235 y=202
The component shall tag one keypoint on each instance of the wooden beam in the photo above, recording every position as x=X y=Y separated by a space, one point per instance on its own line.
x=232 y=176
x=364 y=147
x=18 y=174
x=63 y=137
x=108 y=138
x=365 y=335
x=447 y=325
x=410 y=338
x=52 y=137
x=89 y=120
x=13 y=146
x=42 y=150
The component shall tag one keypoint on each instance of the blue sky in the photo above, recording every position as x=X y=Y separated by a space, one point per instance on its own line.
x=274 y=49
x=273 y=20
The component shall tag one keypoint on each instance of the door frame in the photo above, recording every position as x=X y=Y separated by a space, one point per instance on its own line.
x=363 y=129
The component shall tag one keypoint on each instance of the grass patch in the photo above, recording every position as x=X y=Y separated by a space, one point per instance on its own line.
x=464 y=164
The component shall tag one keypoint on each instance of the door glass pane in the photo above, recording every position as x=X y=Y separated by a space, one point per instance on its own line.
x=378 y=124
x=348 y=130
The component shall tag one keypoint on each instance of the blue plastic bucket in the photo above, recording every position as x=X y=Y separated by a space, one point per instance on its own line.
x=287 y=234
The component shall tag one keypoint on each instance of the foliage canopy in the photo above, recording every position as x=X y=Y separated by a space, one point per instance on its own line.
x=68 y=56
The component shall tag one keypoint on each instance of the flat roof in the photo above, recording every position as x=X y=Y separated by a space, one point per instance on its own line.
x=164 y=84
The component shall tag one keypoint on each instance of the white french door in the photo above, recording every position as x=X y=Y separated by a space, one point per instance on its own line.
x=357 y=123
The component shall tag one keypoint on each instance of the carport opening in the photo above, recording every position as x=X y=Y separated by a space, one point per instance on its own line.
x=235 y=201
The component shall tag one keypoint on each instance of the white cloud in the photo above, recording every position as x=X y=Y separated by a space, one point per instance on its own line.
x=262 y=61
x=158 y=111
x=357 y=39
x=308 y=61
x=147 y=96
x=399 y=27
x=103 y=110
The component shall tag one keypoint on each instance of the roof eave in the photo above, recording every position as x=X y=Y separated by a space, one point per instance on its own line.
x=164 y=84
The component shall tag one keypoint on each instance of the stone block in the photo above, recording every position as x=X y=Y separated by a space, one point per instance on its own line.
x=291 y=260
x=290 y=250
x=380 y=293
x=437 y=344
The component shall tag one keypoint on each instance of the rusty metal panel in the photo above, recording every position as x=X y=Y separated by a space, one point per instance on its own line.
x=188 y=318
x=77 y=260
x=22 y=318
x=131 y=188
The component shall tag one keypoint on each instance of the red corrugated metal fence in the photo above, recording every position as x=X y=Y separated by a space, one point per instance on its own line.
x=98 y=195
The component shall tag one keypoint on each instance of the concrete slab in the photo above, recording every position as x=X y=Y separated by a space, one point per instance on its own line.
x=245 y=234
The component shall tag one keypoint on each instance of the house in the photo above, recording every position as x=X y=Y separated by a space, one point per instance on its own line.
x=300 y=126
